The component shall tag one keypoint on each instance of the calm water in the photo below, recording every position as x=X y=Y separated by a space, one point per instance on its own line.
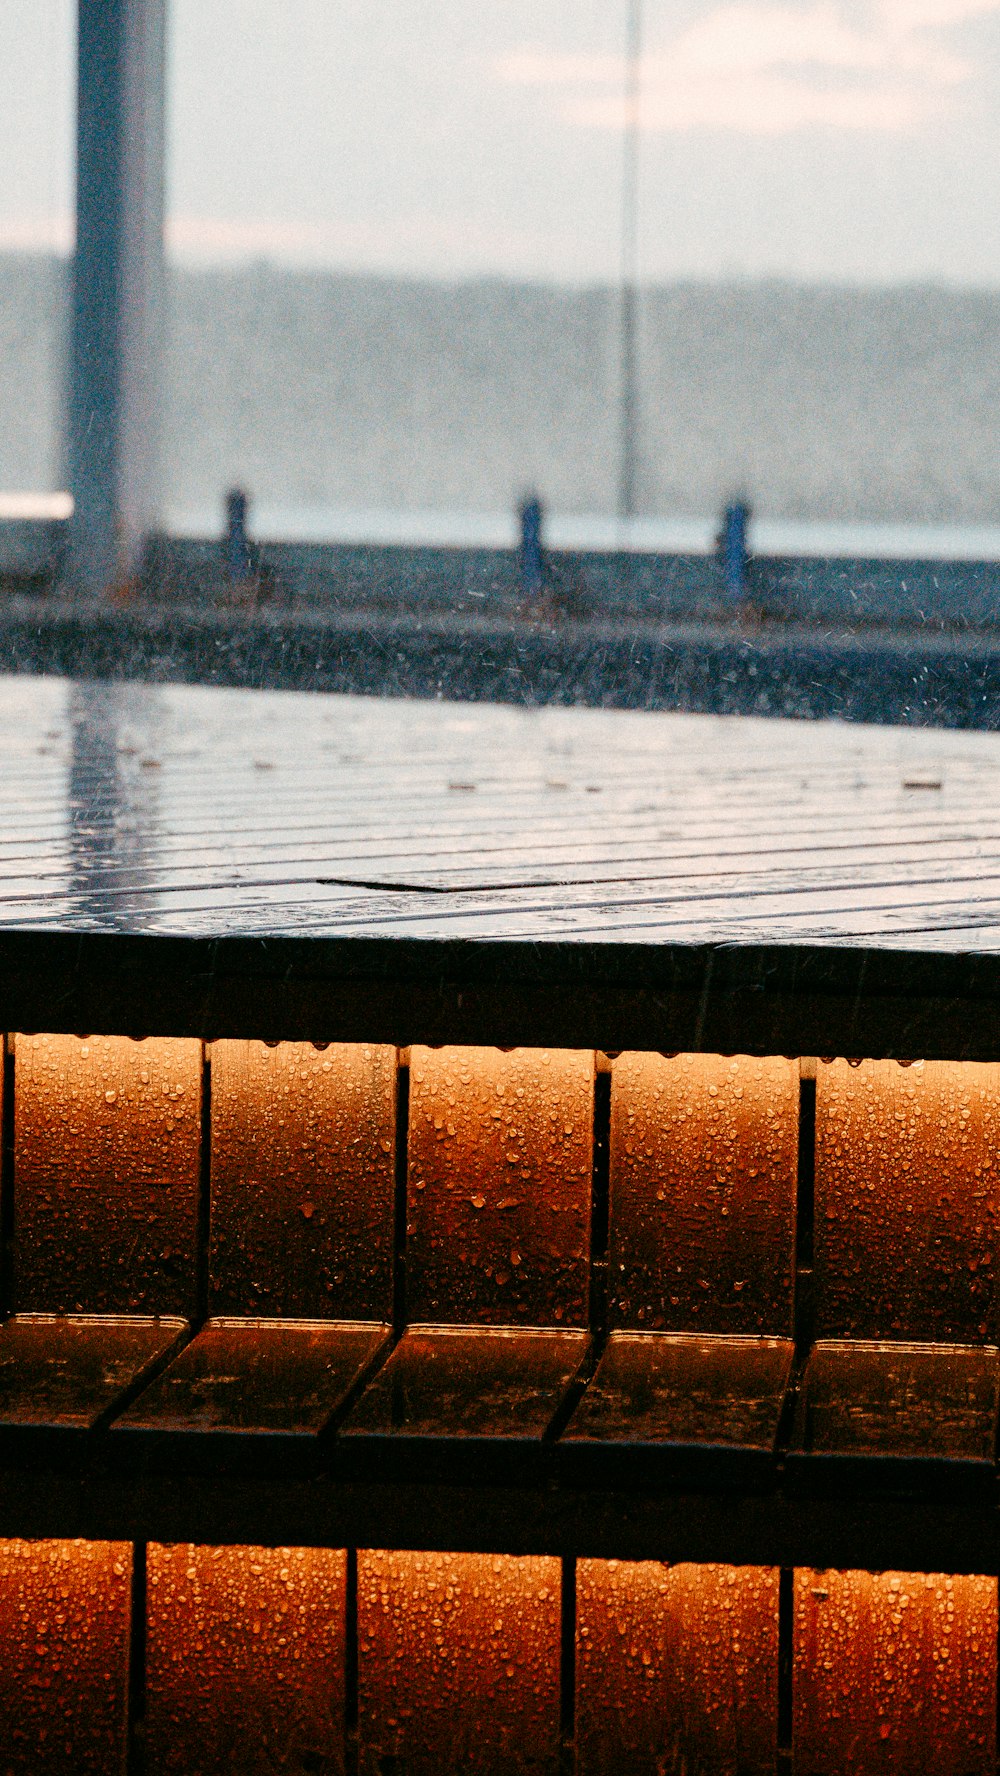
x=682 y=535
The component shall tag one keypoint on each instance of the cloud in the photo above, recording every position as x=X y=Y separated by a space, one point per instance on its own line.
x=416 y=242
x=223 y=238
x=52 y=233
x=771 y=69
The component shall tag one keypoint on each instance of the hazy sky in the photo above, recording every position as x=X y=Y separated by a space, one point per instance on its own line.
x=799 y=138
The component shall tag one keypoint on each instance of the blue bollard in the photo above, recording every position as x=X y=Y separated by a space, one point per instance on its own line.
x=733 y=548
x=237 y=546
x=532 y=554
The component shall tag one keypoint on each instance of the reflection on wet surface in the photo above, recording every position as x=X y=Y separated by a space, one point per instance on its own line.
x=205 y=811
x=924 y=1402
x=655 y=1388
x=466 y=1382
x=266 y=1376
x=67 y=1372
x=113 y=803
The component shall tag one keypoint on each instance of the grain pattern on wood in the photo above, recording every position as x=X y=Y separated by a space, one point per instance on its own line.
x=703 y=1160
x=65 y=1373
x=106 y=1174
x=499 y=1163
x=894 y=1672
x=64 y=1657
x=277 y=1380
x=670 y=1399
x=907 y=1217
x=302 y=1169
x=244 y=1659
x=676 y=1669
x=458 y=1664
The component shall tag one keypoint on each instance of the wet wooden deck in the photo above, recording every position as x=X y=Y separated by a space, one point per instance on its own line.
x=231 y=855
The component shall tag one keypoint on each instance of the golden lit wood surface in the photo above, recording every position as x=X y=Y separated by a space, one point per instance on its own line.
x=703 y=1172
x=514 y=1200
x=548 y=1262
x=106 y=1174
x=676 y=1669
x=458 y=1664
x=302 y=1169
x=226 y=863
x=499 y=1162
x=211 y=1660
x=907 y=1184
x=895 y=1673
x=244 y=1660
x=64 y=1657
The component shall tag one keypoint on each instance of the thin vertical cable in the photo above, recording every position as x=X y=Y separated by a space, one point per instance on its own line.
x=600 y=1202
x=597 y=1314
x=805 y=1215
x=803 y=1302
x=628 y=457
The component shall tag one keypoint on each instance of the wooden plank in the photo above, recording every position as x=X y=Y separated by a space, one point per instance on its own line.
x=499 y=1163
x=752 y=998
x=486 y=1395
x=61 y=1377
x=676 y=1669
x=678 y=1406
x=64 y=1657
x=244 y=1659
x=106 y=1170
x=894 y=1671
x=302 y=1176
x=906 y=1212
x=702 y=1193
x=458 y=1664
x=257 y=1391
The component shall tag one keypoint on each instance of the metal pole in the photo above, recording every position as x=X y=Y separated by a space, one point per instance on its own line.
x=116 y=324
x=628 y=456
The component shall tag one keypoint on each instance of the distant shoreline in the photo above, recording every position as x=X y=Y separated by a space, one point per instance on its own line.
x=339 y=391
x=180 y=267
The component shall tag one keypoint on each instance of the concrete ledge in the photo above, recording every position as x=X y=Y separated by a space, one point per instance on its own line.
x=927 y=679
